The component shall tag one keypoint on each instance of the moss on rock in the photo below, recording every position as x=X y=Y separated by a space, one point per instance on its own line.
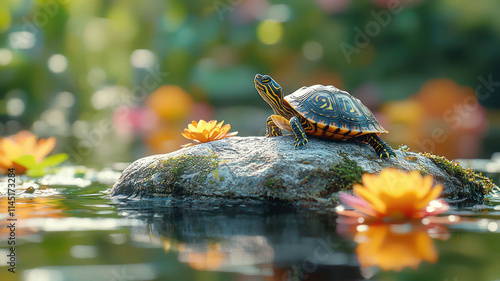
x=274 y=187
x=344 y=175
x=173 y=169
x=339 y=177
x=475 y=183
x=259 y=167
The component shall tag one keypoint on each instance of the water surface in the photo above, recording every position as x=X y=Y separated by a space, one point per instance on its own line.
x=75 y=232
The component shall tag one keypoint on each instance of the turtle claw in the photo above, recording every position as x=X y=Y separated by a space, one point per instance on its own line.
x=299 y=144
x=387 y=155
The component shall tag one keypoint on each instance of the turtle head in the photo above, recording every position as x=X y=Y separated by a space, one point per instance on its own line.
x=268 y=89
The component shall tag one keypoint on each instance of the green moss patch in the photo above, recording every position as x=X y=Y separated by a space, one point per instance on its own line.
x=274 y=183
x=475 y=183
x=173 y=169
x=344 y=175
x=275 y=187
x=339 y=177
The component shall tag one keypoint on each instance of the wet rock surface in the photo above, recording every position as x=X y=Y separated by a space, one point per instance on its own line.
x=269 y=168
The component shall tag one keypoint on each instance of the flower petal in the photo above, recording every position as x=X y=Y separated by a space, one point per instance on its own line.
x=199 y=136
x=357 y=203
x=187 y=135
x=213 y=134
x=43 y=148
x=432 y=194
x=192 y=128
x=12 y=150
x=188 y=144
x=372 y=198
x=223 y=132
x=211 y=125
x=202 y=125
x=206 y=134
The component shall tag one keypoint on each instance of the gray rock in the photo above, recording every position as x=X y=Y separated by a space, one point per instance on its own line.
x=270 y=168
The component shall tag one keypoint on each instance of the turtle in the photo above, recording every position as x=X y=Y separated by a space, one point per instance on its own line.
x=321 y=111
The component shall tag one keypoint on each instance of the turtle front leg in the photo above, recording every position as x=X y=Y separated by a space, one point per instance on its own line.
x=272 y=130
x=298 y=132
x=381 y=147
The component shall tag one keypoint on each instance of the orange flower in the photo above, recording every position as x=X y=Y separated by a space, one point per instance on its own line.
x=394 y=247
x=20 y=144
x=204 y=131
x=170 y=102
x=394 y=195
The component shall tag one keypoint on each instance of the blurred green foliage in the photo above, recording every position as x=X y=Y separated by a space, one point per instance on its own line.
x=213 y=48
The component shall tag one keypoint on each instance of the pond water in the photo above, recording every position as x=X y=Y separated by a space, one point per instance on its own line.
x=75 y=232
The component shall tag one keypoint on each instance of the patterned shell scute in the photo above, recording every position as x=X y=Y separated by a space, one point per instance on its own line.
x=330 y=106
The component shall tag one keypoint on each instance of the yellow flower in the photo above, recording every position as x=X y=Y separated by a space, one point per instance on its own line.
x=204 y=131
x=394 y=247
x=20 y=144
x=394 y=195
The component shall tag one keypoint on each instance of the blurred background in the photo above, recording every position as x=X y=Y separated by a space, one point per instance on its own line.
x=118 y=80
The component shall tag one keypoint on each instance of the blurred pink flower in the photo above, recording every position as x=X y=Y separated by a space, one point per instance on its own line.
x=134 y=120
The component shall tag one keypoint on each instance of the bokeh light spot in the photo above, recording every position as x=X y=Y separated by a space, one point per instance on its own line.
x=269 y=32
x=15 y=107
x=312 y=50
x=83 y=251
x=65 y=100
x=53 y=117
x=80 y=128
x=43 y=275
x=110 y=96
x=143 y=58
x=362 y=228
x=279 y=13
x=5 y=56
x=22 y=40
x=57 y=63
x=492 y=226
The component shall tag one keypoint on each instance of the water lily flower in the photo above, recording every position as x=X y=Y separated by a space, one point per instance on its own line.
x=204 y=131
x=21 y=144
x=394 y=195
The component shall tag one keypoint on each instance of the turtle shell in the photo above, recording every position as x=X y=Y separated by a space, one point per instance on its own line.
x=333 y=113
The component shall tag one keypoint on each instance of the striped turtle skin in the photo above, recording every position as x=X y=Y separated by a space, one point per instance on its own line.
x=320 y=111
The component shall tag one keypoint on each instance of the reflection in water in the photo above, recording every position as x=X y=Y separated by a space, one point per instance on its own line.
x=75 y=233
x=269 y=240
x=395 y=246
x=210 y=258
x=25 y=209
